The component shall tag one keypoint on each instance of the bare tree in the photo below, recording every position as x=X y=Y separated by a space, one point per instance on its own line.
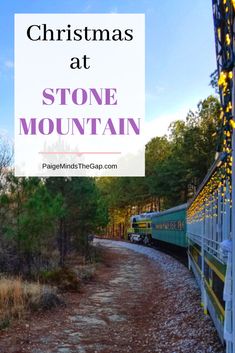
x=6 y=155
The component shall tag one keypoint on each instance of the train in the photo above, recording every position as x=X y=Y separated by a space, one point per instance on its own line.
x=168 y=226
x=201 y=228
x=140 y=230
x=205 y=226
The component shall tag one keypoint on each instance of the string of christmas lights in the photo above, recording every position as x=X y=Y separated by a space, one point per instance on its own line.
x=218 y=188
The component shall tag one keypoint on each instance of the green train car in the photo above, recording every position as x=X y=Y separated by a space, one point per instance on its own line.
x=170 y=226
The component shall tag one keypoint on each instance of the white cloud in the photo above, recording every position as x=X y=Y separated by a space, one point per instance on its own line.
x=9 y=64
x=114 y=10
x=159 y=126
x=155 y=93
x=87 y=8
x=3 y=132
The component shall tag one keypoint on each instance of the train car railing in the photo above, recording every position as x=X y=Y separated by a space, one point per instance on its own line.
x=224 y=14
x=211 y=214
x=209 y=233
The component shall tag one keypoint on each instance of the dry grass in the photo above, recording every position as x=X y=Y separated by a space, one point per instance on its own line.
x=18 y=297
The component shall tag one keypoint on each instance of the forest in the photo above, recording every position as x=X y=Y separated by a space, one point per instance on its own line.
x=40 y=217
x=45 y=221
x=42 y=220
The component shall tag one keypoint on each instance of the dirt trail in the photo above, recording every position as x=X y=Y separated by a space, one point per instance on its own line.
x=135 y=305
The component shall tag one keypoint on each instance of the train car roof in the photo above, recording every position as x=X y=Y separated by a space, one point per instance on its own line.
x=144 y=216
x=173 y=209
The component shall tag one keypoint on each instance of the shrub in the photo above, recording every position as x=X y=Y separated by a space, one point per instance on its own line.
x=63 y=278
x=86 y=273
x=18 y=297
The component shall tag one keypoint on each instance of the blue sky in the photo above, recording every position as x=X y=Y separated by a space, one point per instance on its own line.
x=180 y=52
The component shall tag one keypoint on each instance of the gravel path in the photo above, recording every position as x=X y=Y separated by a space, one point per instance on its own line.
x=138 y=303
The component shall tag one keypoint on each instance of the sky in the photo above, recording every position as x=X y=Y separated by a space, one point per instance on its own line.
x=180 y=53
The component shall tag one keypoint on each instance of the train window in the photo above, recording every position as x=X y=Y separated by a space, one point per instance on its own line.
x=218 y=287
